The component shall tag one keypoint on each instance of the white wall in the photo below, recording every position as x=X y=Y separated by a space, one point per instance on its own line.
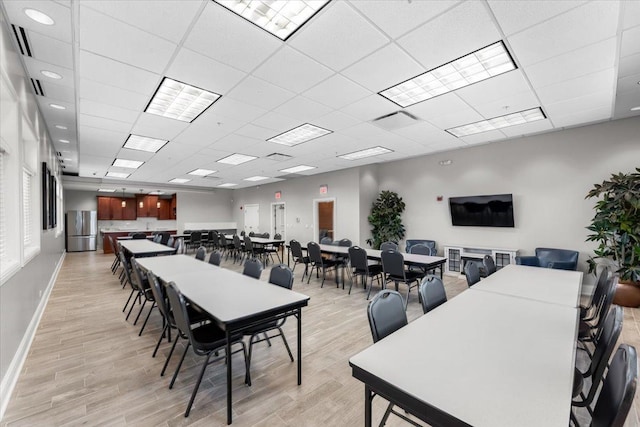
x=203 y=208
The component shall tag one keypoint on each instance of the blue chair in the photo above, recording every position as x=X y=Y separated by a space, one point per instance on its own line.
x=429 y=243
x=561 y=259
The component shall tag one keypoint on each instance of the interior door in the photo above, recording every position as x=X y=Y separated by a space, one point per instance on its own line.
x=251 y=218
x=278 y=219
x=324 y=219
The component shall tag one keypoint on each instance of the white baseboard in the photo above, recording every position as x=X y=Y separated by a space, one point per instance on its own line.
x=13 y=372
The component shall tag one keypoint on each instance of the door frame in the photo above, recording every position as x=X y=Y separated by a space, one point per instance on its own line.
x=273 y=220
x=316 y=229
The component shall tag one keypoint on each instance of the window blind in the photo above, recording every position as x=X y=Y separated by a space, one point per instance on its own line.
x=3 y=216
x=26 y=207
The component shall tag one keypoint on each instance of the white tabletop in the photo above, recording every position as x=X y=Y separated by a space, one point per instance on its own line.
x=143 y=246
x=487 y=359
x=540 y=284
x=258 y=240
x=226 y=295
x=376 y=254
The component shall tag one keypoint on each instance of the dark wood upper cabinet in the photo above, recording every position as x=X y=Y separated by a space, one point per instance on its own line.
x=104 y=208
x=117 y=211
x=143 y=206
x=129 y=211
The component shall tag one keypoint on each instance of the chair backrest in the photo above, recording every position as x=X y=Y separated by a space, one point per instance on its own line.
x=345 y=242
x=432 y=293
x=248 y=244
x=281 y=275
x=164 y=237
x=158 y=295
x=252 y=268
x=601 y=287
x=607 y=300
x=386 y=246
x=429 y=243
x=138 y=236
x=314 y=252
x=472 y=273
x=215 y=239
x=180 y=314
x=358 y=259
x=421 y=249
x=157 y=238
x=326 y=240
x=277 y=236
x=251 y=234
x=489 y=265
x=296 y=248
x=392 y=263
x=223 y=241
x=170 y=241
x=126 y=267
x=215 y=258
x=141 y=280
x=386 y=314
x=180 y=246
x=557 y=258
x=616 y=397
x=237 y=243
x=196 y=237
x=201 y=252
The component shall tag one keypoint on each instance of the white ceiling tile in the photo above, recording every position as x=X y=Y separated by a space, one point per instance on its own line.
x=107 y=111
x=159 y=127
x=461 y=117
x=102 y=123
x=583 y=117
x=114 y=73
x=484 y=137
x=237 y=110
x=370 y=108
x=338 y=37
x=528 y=128
x=512 y=103
x=586 y=60
x=624 y=102
x=448 y=103
x=420 y=132
x=274 y=121
x=112 y=38
x=260 y=93
x=256 y=132
x=168 y=19
x=589 y=101
x=630 y=42
x=494 y=88
x=631 y=13
x=515 y=16
x=224 y=36
x=292 y=70
x=141 y=156
x=172 y=153
x=198 y=70
x=629 y=65
x=51 y=50
x=303 y=109
x=441 y=40
x=589 y=23
x=384 y=68
x=111 y=95
x=58 y=92
x=336 y=121
x=60 y=30
x=100 y=142
x=396 y=18
x=337 y=92
x=234 y=143
x=90 y=164
x=629 y=84
x=599 y=81
x=366 y=131
x=206 y=132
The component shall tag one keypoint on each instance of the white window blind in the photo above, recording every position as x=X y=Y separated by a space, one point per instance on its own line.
x=3 y=214
x=26 y=207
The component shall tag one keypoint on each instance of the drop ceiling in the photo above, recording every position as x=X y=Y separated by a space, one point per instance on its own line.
x=579 y=61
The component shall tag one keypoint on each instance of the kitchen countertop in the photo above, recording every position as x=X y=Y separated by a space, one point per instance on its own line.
x=134 y=230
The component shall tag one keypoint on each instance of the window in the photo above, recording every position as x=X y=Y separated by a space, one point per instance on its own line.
x=30 y=201
x=27 y=225
x=3 y=215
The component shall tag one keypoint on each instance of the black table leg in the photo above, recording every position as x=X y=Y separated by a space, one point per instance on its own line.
x=367 y=406
x=229 y=399
x=299 y=346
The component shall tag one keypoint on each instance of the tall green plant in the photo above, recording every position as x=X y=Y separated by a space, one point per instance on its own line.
x=616 y=224
x=386 y=219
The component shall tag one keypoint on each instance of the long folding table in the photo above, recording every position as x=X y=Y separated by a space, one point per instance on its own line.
x=235 y=302
x=140 y=248
x=501 y=354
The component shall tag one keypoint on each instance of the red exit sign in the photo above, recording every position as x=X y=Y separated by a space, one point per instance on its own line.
x=278 y=195
x=324 y=189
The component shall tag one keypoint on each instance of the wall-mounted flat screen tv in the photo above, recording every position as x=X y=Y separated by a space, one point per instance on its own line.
x=482 y=211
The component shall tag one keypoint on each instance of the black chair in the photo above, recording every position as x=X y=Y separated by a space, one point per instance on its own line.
x=238 y=249
x=619 y=389
x=394 y=271
x=253 y=251
x=280 y=275
x=432 y=293
x=205 y=340
x=274 y=248
x=180 y=246
x=326 y=240
x=421 y=249
x=116 y=260
x=156 y=238
x=600 y=359
x=589 y=331
x=138 y=236
x=386 y=314
x=144 y=291
x=252 y=268
x=201 y=253
x=164 y=238
x=361 y=268
x=298 y=256
x=195 y=240
x=214 y=240
x=563 y=259
x=472 y=273
x=489 y=265
x=588 y=311
x=389 y=246
x=318 y=262
x=170 y=241
x=215 y=258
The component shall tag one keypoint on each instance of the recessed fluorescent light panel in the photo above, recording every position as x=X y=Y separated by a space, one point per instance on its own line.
x=256 y=178
x=513 y=119
x=280 y=18
x=180 y=101
x=61 y=127
x=106 y=190
x=64 y=141
x=117 y=175
x=369 y=152
x=302 y=133
x=297 y=169
x=236 y=159
x=227 y=184
x=179 y=180
x=122 y=163
x=480 y=65
x=201 y=172
x=144 y=143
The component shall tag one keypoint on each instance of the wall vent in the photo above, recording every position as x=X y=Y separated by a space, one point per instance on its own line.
x=37 y=87
x=278 y=157
x=396 y=120
x=22 y=40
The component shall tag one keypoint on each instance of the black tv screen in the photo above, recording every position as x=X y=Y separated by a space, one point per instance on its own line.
x=482 y=211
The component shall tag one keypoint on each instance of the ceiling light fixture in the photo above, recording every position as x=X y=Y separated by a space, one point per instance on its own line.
x=123 y=203
x=179 y=180
x=201 y=172
x=144 y=143
x=227 y=184
x=117 y=175
x=180 y=101
x=256 y=178
x=369 y=152
x=51 y=74
x=61 y=127
x=280 y=18
x=39 y=17
x=513 y=119
x=236 y=159
x=106 y=190
x=300 y=134
x=58 y=106
x=445 y=162
x=297 y=169
x=64 y=141
x=635 y=108
x=156 y=193
x=122 y=163
x=480 y=65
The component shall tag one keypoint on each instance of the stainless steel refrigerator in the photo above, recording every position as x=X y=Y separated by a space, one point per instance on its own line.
x=82 y=230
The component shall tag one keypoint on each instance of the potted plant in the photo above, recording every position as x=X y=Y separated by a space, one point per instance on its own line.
x=616 y=228
x=386 y=219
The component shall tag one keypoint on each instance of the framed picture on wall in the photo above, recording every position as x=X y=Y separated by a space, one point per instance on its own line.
x=46 y=184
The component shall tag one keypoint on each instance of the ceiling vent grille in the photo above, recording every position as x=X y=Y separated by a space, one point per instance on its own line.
x=22 y=40
x=289 y=176
x=37 y=87
x=278 y=157
x=396 y=120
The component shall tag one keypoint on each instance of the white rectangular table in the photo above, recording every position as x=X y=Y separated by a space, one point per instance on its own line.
x=235 y=302
x=481 y=359
x=540 y=284
x=144 y=248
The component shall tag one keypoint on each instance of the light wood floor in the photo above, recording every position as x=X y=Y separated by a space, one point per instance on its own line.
x=88 y=366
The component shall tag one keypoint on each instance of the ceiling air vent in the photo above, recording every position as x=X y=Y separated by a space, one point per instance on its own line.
x=37 y=87
x=278 y=157
x=59 y=154
x=289 y=176
x=396 y=120
x=22 y=40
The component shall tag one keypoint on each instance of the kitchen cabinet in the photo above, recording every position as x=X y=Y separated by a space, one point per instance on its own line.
x=110 y=208
x=116 y=208
x=147 y=206
x=104 y=208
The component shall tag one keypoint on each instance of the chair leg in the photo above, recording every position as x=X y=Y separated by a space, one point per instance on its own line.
x=197 y=386
x=248 y=360
x=175 y=374
x=147 y=318
x=166 y=362
x=140 y=311
x=164 y=330
x=133 y=304
x=130 y=295
x=286 y=344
